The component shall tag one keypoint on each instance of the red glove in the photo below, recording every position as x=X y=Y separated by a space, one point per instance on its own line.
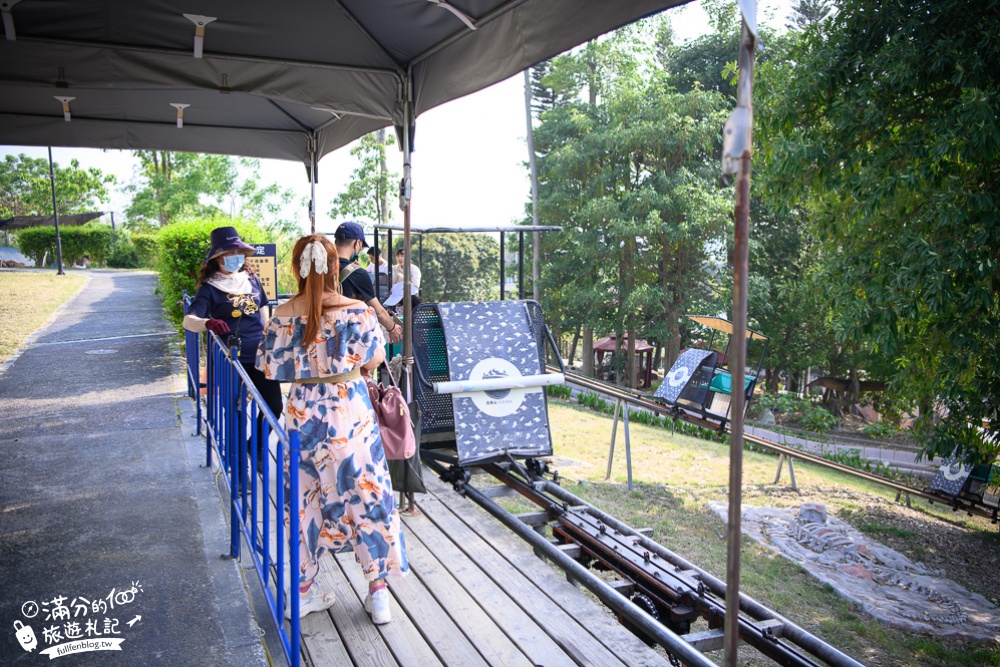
x=218 y=327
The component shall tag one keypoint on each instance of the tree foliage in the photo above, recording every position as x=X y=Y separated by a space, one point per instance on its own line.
x=367 y=192
x=885 y=125
x=25 y=188
x=175 y=186
x=459 y=267
x=628 y=167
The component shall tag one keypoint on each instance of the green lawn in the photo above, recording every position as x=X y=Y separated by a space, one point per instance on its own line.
x=677 y=475
x=27 y=301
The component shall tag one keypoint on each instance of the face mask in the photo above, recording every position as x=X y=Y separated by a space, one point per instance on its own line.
x=232 y=263
x=354 y=257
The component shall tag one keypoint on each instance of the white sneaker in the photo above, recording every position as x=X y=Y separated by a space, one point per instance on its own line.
x=377 y=605
x=314 y=600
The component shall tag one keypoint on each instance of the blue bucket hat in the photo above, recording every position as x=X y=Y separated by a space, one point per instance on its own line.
x=225 y=239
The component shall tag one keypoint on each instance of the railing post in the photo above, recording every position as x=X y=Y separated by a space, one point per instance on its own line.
x=293 y=540
x=232 y=450
x=614 y=433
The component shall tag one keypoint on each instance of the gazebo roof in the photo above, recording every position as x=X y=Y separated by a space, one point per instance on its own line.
x=608 y=344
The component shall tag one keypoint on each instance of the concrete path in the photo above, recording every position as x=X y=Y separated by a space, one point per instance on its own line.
x=110 y=531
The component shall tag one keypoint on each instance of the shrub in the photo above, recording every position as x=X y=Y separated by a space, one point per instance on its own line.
x=880 y=430
x=123 y=254
x=559 y=391
x=145 y=248
x=809 y=415
x=95 y=242
x=181 y=249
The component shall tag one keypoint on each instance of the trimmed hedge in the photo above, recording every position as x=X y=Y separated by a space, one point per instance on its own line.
x=95 y=242
x=180 y=251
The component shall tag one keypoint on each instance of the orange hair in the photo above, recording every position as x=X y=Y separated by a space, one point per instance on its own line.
x=315 y=285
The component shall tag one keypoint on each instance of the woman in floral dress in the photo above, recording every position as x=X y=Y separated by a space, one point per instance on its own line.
x=320 y=341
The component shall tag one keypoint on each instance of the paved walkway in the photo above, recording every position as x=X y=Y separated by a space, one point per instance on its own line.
x=109 y=528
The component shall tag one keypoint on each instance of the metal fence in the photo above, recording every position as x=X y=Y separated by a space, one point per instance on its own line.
x=237 y=425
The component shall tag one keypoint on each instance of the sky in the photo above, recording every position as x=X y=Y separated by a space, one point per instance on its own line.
x=468 y=161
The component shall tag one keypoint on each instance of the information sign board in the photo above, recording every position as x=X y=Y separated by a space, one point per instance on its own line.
x=265 y=264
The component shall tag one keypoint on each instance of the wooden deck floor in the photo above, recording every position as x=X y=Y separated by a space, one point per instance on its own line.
x=476 y=595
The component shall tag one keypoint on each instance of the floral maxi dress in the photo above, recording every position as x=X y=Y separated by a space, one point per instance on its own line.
x=345 y=494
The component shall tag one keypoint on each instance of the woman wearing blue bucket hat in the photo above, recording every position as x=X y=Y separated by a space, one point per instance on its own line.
x=228 y=303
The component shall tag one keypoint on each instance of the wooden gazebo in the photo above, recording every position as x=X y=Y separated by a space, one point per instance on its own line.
x=643 y=355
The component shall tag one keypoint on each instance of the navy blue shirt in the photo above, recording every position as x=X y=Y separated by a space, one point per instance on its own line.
x=240 y=311
x=358 y=285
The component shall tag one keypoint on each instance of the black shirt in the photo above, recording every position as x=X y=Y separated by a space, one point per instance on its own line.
x=358 y=285
x=240 y=311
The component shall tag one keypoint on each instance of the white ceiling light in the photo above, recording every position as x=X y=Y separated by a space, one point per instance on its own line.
x=180 y=112
x=463 y=17
x=8 y=18
x=65 y=105
x=199 y=31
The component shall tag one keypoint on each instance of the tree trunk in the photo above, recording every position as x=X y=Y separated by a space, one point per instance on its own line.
x=588 y=351
x=572 y=347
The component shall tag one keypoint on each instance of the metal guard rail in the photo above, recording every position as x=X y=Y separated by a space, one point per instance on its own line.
x=639 y=400
x=232 y=404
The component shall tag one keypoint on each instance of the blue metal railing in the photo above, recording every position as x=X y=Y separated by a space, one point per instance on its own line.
x=234 y=406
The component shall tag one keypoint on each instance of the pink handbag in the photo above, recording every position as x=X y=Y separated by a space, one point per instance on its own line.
x=393 y=417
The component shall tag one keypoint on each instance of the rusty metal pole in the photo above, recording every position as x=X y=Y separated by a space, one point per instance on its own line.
x=741 y=262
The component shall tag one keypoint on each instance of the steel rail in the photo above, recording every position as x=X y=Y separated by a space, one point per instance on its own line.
x=660 y=409
x=792 y=632
x=670 y=641
x=683 y=591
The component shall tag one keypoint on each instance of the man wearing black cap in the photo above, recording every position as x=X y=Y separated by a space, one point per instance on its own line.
x=350 y=240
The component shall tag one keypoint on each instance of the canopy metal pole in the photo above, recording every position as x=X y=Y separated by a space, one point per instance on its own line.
x=740 y=271
x=406 y=191
x=503 y=260
x=55 y=214
x=312 y=184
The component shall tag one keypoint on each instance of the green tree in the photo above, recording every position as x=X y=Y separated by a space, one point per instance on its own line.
x=25 y=188
x=171 y=186
x=884 y=126
x=460 y=267
x=631 y=175
x=367 y=193
x=807 y=12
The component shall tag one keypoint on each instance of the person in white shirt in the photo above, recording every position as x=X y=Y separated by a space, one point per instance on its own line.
x=397 y=272
x=383 y=266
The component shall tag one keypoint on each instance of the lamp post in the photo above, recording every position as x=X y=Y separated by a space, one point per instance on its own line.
x=55 y=214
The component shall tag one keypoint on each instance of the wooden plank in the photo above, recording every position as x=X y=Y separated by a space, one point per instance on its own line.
x=438 y=629
x=560 y=623
x=321 y=643
x=628 y=648
x=456 y=580
x=401 y=635
x=466 y=607
x=356 y=630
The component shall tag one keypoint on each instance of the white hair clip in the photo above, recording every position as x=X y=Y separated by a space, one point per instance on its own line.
x=313 y=254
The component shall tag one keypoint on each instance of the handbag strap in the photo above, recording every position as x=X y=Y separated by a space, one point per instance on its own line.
x=388 y=372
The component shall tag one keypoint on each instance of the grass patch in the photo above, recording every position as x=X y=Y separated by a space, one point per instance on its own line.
x=27 y=300
x=675 y=475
